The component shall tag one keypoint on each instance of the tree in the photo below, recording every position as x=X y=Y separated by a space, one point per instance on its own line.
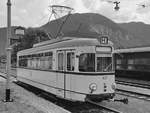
x=31 y=37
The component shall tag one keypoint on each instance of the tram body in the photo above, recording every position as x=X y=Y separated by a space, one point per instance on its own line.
x=133 y=63
x=71 y=68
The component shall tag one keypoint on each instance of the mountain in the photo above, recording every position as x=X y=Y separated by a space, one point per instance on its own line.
x=92 y=25
x=139 y=29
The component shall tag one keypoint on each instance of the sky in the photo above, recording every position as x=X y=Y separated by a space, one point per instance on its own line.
x=34 y=13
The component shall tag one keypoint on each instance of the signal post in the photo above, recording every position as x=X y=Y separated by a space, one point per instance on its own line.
x=8 y=52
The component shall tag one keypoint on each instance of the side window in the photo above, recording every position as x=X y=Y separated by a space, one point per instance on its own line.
x=37 y=61
x=22 y=61
x=87 y=62
x=46 y=60
x=30 y=62
x=50 y=62
x=46 y=63
x=60 y=61
x=70 y=61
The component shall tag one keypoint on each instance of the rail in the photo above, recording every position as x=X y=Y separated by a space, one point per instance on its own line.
x=147 y=86
x=134 y=90
x=112 y=110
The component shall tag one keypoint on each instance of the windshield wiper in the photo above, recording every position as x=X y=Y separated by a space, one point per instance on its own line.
x=107 y=67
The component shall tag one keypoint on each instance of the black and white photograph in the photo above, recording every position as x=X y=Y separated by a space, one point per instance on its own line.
x=74 y=56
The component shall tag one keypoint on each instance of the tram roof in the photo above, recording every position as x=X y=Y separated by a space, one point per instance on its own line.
x=69 y=40
x=133 y=50
x=63 y=43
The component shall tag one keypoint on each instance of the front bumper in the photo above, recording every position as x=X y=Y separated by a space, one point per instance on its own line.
x=100 y=97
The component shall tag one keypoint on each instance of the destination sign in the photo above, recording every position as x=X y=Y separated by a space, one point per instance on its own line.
x=103 y=49
x=103 y=39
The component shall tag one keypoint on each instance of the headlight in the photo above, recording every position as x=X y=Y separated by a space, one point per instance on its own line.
x=113 y=86
x=93 y=87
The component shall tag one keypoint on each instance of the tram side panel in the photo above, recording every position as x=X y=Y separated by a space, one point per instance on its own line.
x=44 y=80
x=60 y=85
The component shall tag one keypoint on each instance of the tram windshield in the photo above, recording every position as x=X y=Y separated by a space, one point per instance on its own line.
x=104 y=64
x=89 y=62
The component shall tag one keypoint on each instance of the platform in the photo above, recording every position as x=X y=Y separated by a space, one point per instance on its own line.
x=25 y=101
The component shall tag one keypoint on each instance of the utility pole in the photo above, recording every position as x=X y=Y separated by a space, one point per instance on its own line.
x=8 y=51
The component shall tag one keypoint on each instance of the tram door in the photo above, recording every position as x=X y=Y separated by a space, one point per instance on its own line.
x=60 y=75
x=65 y=63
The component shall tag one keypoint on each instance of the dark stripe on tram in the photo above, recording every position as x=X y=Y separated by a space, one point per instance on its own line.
x=71 y=72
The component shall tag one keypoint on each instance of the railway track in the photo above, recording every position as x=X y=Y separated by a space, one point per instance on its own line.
x=88 y=107
x=147 y=86
x=109 y=110
x=134 y=90
x=74 y=107
x=133 y=94
x=102 y=107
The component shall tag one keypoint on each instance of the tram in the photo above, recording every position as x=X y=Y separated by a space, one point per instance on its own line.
x=133 y=63
x=71 y=68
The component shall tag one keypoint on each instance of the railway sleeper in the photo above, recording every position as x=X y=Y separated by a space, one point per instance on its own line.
x=124 y=100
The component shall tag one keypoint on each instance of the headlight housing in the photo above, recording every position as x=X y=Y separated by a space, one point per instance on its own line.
x=113 y=86
x=93 y=87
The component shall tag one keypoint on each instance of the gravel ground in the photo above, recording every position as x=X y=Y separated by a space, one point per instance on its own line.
x=25 y=102
x=17 y=106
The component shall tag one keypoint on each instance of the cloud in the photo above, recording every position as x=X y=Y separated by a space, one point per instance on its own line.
x=143 y=10
x=29 y=12
x=94 y=5
x=36 y=12
x=143 y=7
x=77 y=5
x=3 y=13
x=24 y=11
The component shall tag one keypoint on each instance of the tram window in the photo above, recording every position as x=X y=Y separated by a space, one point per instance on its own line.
x=87 y=62
x=29 y=63
x=22 y=62
x=37 y=61
x=50 y=59
x=34 y=63
x=60 y=61
x=118 y=61
x=48 y=63
x=130 y=64
x=42 y=62
x=70 y=61
x=104 y=64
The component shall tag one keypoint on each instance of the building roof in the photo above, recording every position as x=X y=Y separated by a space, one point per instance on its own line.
x=133 y=50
